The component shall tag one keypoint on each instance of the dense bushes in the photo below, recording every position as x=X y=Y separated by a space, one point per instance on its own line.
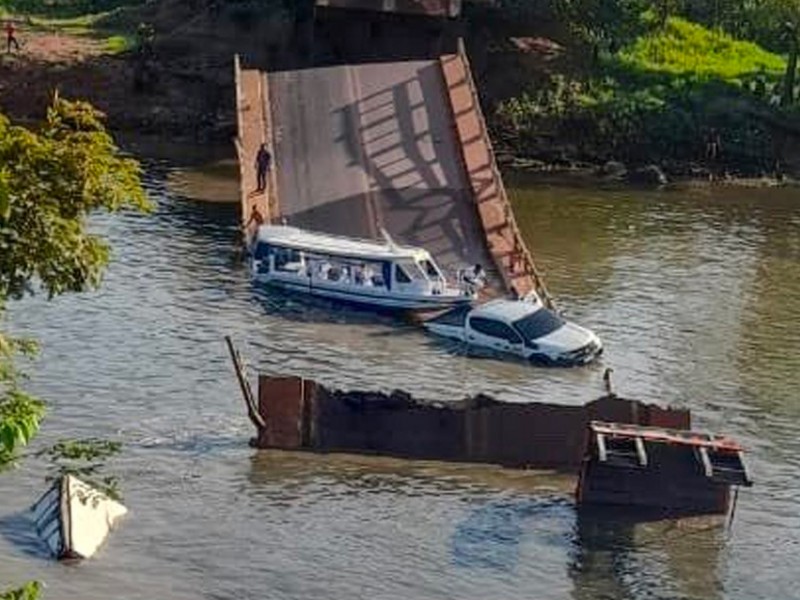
x=655 y=100
x=689 y=49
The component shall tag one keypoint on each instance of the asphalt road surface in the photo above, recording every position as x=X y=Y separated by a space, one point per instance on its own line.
x=362 y=147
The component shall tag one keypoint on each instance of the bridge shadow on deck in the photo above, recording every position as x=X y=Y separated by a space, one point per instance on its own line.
x=398 y=132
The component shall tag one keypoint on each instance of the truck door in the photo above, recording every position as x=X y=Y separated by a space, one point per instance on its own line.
x=494 y=334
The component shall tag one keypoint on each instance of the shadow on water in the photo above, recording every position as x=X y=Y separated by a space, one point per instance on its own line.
x=619 y=554
x=491 y=535
x=19 y=531
x=271 y=471
x=303 y=308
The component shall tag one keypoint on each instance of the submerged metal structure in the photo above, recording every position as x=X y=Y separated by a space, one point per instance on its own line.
x=624 y=452
x=659 y=468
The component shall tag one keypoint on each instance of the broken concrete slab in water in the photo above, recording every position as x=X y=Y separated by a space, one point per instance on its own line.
x=74 y=518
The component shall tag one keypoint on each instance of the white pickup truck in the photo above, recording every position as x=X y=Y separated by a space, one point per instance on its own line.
x=524 y=328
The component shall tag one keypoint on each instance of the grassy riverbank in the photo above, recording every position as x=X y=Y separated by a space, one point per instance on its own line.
x=657 y=99
x=651 y=95
x=162 y=68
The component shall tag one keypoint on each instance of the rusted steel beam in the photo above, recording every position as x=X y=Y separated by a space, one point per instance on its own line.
x=247 y=392
x=254 y=128
x=301 y=414
x=503 y=237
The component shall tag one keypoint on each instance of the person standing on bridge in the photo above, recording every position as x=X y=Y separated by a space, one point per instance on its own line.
x=11 y=37
x=263 y=163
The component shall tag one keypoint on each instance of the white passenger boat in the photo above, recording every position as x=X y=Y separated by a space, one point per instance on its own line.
x=367 y=272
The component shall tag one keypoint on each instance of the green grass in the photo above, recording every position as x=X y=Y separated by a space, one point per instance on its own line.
x=64 y=17
x=656 y=99
x=684 y=48
x=117 y=44
x=63 y=9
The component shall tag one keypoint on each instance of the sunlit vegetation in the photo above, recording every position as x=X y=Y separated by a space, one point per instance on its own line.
x=656 y=98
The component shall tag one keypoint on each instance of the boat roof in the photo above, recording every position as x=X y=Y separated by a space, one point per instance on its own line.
x=507 y=310
x=334 y=245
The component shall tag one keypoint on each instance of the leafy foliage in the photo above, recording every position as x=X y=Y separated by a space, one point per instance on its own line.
x=20 y=413
x=49 y=181
x=85 y=459
x=684 y=48
x=655 y=100
x=29 y=591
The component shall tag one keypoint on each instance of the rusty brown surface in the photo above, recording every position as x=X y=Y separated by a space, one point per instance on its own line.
x=281 y=404
x=254 y=128
x=672 y=482
x=478 y=429
x=506 y=246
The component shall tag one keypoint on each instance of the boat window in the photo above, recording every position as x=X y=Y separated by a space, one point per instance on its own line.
x=400 y=275
x=494 y=329
x=538 y=324
x=288 y=259
x=262 y=251
x=430 y=269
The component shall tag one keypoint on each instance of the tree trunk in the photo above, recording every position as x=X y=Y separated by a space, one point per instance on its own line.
x=788 y=80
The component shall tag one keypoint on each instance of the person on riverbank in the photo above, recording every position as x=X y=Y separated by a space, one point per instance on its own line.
x=11 y=37
x=713 y=150
x=263 y=163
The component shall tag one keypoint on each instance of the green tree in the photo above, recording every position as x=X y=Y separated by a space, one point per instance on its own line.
x=51 y=179
x=29 y=591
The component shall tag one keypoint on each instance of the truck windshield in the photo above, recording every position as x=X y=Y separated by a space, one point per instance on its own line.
x=538 y=324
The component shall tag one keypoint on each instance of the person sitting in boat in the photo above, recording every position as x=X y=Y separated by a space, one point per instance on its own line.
x=367 y=274
x=324 y=269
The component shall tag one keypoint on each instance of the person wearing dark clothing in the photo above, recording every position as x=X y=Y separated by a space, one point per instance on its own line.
x=11 y=37
x=263 y=162
x=713 y=150
x=713 y=145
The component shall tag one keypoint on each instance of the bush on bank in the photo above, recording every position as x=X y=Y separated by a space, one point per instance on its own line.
x=657 y=99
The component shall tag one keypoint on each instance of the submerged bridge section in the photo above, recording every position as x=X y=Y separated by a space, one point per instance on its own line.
x=400 y=146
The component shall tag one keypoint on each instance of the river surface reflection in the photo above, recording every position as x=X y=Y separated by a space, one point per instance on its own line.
x=696 y=293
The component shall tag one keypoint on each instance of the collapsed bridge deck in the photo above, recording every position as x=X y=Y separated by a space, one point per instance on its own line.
x=395 y=145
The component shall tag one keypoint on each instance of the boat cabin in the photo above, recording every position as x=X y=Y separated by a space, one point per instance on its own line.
x=329 y=265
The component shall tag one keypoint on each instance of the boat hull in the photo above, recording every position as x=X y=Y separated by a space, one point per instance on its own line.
x=366 y=297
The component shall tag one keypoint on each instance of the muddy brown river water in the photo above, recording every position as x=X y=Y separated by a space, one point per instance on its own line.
x=696 y=293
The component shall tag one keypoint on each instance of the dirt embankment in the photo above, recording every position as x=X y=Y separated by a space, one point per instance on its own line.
x=190 y=90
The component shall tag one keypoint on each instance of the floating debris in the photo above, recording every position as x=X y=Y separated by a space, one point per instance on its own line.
x=74 y=519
